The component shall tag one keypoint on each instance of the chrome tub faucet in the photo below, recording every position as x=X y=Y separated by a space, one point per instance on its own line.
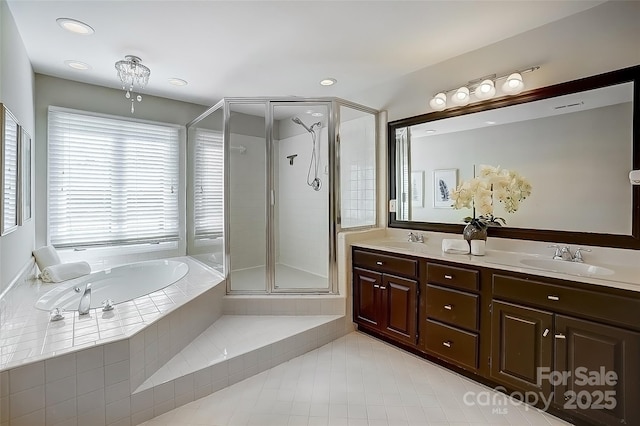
x=85 y=301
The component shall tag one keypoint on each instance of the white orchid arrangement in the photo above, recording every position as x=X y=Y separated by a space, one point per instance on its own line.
x=492 y=184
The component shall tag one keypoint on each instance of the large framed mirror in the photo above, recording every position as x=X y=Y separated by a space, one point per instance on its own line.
x=575 y=142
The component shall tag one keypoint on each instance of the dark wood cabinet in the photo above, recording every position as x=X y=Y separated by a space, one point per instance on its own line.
x=540 y=344
x=383 y=302
x=450 y=316
x=603 y=362
x=512 y=330
x=521 y=346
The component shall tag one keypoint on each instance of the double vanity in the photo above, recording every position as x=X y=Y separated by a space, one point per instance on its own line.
x=549 y=330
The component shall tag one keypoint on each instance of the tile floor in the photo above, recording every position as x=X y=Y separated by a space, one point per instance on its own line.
x=353 y=381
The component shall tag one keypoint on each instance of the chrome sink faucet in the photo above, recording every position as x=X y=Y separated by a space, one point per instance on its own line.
x=415 y=238
x=564 y=253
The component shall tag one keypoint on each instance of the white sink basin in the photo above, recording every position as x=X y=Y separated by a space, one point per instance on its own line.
x=402 y=244
x=566 y=267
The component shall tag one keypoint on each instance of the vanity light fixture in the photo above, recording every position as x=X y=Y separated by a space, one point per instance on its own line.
x=482 y=88
x=75 y=26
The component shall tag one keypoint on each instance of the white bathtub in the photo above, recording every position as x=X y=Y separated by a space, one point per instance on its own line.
x=119 y=284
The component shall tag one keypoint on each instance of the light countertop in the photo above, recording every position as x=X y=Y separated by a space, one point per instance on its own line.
x=622 y=276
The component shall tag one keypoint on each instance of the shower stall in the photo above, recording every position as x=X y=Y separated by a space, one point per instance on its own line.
x=272 y=182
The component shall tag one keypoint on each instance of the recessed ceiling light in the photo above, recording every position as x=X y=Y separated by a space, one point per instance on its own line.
x=178 y=81
x=328 y=82
x=75 y=26
x=77 y=65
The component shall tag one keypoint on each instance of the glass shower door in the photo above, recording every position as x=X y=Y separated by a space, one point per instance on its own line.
x=247 y=196
x=301 y=197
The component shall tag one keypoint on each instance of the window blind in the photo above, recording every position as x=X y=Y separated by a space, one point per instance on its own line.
x=209 y=184
x=111 y=181
x=10 y=178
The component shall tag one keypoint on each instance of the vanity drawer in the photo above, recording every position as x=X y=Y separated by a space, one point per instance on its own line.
x=595 y=304
x=451 y=276
x=385 y=263
x=458 y=346
x=452 y=306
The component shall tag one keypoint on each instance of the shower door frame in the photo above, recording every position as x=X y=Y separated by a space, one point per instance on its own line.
x=332 y=287
x=334 y=217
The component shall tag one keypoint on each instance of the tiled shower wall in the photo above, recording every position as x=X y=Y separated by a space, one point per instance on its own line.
x=357 y=172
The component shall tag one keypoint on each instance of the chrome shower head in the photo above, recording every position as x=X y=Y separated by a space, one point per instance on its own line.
x=298 y=121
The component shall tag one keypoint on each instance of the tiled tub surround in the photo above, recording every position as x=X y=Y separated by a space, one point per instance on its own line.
x=26 y=334
x=128 y=365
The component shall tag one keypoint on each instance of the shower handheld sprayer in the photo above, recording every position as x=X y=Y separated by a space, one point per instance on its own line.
x=314 y=183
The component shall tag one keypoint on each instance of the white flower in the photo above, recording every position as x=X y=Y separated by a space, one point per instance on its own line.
x=493 y=184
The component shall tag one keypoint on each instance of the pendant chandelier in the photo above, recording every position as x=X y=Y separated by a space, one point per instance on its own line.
x=133 y=75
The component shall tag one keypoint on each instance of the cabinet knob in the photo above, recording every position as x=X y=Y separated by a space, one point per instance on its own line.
x=379 y=263
x=555 y=298
x=448 y=307
x=376 y=286
x=560 y=336
x=449 y=277
x=383 y=288
x=447 y=343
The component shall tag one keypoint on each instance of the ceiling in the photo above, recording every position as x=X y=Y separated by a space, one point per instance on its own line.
x=269 y=48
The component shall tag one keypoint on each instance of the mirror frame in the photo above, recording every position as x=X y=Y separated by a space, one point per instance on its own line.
x=631 y=74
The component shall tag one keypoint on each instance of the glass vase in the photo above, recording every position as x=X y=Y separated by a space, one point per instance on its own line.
x=474 y=232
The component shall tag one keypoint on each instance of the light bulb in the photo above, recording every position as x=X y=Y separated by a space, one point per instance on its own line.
x=485 y=90
x=460 y=96
x=514 y=84
x=438 y=102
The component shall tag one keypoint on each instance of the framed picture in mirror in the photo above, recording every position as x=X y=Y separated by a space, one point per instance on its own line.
x=9 y=178
x=445 y=182
x=25 y=175
x=417 y=188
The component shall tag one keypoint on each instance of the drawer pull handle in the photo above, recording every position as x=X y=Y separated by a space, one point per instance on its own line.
x=560 y=336
x=379 y=263
x=448 y=307
x=449 y=277
x=447 y=343
x=555 y=298
x=546 y=332
x=376 y=286
x=383 y=288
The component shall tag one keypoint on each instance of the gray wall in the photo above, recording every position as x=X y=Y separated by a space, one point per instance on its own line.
x=600 y=39
x=16 y=92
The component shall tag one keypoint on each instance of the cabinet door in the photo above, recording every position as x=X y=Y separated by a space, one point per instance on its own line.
x=366 y=297
x=588 y=351
x=400 y=308
x=521 y=345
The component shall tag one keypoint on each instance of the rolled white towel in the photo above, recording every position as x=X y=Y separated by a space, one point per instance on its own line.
x=455 y=246
x=65 y=271
x=46 y=256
